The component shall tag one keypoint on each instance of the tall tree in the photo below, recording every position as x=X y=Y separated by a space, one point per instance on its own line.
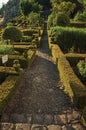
x=25 y=7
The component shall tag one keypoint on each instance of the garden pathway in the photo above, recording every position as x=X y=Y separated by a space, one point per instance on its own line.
x=40 y=102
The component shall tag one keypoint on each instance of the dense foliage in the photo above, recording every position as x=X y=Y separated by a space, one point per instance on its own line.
x=68 y=37
x=82 y=68
x=26 y=6
x=12 y=33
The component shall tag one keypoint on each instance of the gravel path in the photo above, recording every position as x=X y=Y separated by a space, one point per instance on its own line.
x=40 y=98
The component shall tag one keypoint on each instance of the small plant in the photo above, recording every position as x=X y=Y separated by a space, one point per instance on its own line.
x=6 y=49
x=25 y=54
x=16 y=65
x=82 y=68
x=72 y=49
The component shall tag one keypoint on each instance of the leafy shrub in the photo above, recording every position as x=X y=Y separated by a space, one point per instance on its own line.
x=80 y=16
x=62 y=20
x=50 y=20
x=6 y=49
x=16 y=65
x=59 y=19
x=67 y=37
x=25 y=54
x=12 y=33
x=82 y=68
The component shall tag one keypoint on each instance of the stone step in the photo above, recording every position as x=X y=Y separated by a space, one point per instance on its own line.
x=26 y=126
x=57 y=119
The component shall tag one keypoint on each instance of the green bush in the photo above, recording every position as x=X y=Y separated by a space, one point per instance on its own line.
x=12 y=33
x=6 y=49
x=67 y=38
x=81 y=65
x=59 y=19
x=62 y=20
x=16 y=65
x=50 y=20
x=80 y=16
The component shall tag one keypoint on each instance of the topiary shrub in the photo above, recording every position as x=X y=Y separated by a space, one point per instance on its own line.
x=16 y=65
x=12 y=33
x=62 y=20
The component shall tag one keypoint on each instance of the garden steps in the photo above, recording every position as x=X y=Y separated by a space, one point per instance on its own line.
x=68 y=120
x=40 y=99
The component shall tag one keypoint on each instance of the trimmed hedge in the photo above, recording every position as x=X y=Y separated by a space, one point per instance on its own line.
x=27 y=38
x=56 y=52
x=7 y=89
x=21 y=43
x=78 y=24
x=31 y=56
x=67 y=38
x=8 y=70
x=28 y=32
x=21 y=48
x=73 y=85
x=12 y=33
x=74 y=58
x=23 y=62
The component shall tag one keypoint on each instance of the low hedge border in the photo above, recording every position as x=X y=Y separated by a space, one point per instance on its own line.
x=31 y=56
x=21 y=43
x=75 y=88
x=7 y=89
x=23 y=62
x=56 y=52
x=21 y=48
x=73 y=85
x=8 y=70
x=39 y=41
x=78 y=24
x=74 y=58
